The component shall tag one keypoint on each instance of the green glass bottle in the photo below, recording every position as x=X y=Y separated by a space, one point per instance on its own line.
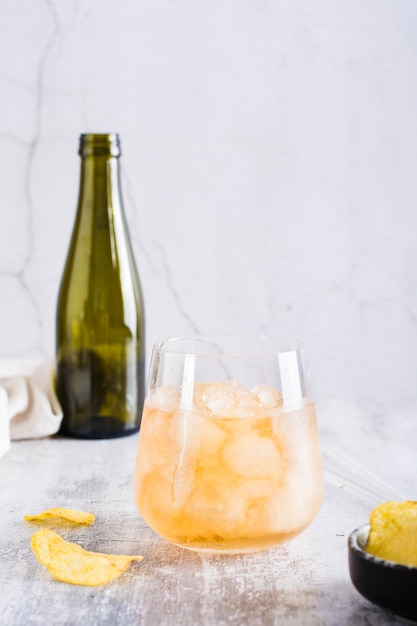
x=100 y=338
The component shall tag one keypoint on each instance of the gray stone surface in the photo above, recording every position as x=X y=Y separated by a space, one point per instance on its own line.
x=305 y=582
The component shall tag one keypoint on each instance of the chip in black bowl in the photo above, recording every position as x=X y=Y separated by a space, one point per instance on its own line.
x=390 y=585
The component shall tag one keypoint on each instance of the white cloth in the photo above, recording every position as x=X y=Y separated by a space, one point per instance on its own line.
x=29 y=407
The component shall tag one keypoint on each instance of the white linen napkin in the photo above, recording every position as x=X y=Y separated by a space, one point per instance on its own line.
x=29 y=407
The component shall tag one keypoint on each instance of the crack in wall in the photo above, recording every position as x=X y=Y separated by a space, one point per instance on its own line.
x=32 y=146
x=15 y=139
x=173 y=291
x=133 y=228
x=144 y=249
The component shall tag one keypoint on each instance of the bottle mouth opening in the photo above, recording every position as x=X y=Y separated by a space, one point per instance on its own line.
x=107 y=144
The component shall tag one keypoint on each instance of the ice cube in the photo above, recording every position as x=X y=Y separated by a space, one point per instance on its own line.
x=182 y=482
x=258 y=488
x=246 y=404
x=164 y=398
x=225 y=399
x=268 y=396
x=211 y=436
x=253 y=456
x=216 y=510
x=154 y=496
x=216 y=398
x=186 y=442
x=155 y=438
x=290 y=509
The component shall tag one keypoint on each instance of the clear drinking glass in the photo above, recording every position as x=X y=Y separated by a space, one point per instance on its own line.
x=228 y=458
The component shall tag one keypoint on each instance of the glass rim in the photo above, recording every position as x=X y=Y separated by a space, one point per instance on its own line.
x=167 y=345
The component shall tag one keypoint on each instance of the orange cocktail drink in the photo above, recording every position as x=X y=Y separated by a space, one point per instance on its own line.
x=233 y=471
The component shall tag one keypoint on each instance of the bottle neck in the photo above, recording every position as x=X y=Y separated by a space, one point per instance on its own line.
x=100 y=190
x=100 y=176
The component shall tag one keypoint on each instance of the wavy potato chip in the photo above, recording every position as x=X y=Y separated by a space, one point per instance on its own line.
x=70 y=563
x=71 y=515
x=393 y=532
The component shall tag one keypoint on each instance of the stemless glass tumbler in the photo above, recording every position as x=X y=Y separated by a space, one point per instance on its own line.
x=228 y=458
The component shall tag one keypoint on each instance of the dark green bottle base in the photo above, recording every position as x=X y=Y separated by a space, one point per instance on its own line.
x=98 y=428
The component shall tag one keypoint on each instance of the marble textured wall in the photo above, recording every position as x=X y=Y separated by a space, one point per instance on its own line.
x=269 y=171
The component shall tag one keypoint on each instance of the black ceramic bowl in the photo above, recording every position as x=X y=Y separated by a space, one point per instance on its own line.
x=388 y=584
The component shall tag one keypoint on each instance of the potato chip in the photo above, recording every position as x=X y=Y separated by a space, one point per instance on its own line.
x=393 y=532
x=71 y=515
x=70 y=563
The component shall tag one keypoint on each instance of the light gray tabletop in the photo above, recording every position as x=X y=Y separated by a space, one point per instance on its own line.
x=303 y=582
